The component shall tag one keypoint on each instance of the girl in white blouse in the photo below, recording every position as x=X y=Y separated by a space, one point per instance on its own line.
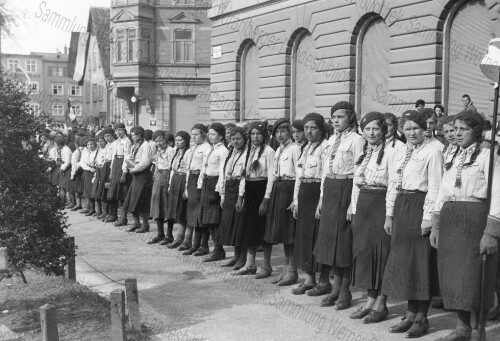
x=255 y=191
x=100 y=175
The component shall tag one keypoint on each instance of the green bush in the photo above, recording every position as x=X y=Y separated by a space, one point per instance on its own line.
x=32 y=223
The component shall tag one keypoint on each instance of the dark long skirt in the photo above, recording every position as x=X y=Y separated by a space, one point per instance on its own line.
x=54 y=175
x=75 y=185
x=116 y=190
x=371 y=244
x=280 y=224
x=459 y=261
x=193 y=199
x=138 y=199
x=87 y=184
x=64 y=178
x=230 y=227
x=411 y=269
x=307 y=227
x=176 y=204
x=254 y=226
x=99 y=190
x=159 y=196
x=334 y=245
x=208 y=210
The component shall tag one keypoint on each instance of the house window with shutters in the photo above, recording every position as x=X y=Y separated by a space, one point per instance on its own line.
x=183 y=48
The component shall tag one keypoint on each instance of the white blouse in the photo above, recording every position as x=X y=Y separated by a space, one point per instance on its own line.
x=348 y=152
x=88 y=160
x=234 y=168
x=101 y=157
x=163 y=158
x=198 y=154
x=65 y=154
x=75 y=159
x=140 y=158
x=213 y=162
x=266 y=169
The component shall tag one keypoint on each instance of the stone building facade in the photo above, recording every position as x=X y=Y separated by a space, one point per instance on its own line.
x=287 y=58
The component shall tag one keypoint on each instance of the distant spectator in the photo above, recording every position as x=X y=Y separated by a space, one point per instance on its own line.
x=468 y=103
x=439 y=110
x=419 y=105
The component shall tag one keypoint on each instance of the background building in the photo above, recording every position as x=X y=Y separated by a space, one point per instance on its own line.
x=160 y=63
x=50 y=85
x=288 y=58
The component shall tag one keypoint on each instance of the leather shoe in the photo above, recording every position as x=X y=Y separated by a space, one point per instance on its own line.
x=84 y=211
x=174 y=244
x=133 y=228
x=376 y=316
x=89 y=214
x=244 y=271
x=457 y=335
x=344 y=301
x=319 y=290
x=101 y=216
x=418 y=329
x=190 y=251
x=143 y=229
x=156 y=239
x=215 y=256
x=402 y=327
x=120 y=223
x=263 y=273
x=289 y=279
x=184 y=247
x=76 y=208
x=280 y=277
x=301 y=289
x=201 y=251
x=330 y=300
x=167 y=240
x=230 y=264
x=110 y=219
x=359 y=313
x=238 y=266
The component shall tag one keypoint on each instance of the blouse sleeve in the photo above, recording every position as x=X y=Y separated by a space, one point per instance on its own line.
x=145 y=160
x=434 y=175
x=270 y=172
x=392 y=192
x=66 y=156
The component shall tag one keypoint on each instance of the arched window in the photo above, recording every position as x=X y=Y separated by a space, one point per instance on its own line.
x=467 y=34
x=302 y=80
x=372 y=65
x=249 y=85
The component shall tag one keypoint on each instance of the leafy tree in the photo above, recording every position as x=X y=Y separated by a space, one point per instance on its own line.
x=32 y=223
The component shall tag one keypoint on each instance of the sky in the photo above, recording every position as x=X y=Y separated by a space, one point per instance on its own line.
x=38 y=28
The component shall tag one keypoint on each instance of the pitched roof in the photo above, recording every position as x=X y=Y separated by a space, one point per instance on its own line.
x=98 y=24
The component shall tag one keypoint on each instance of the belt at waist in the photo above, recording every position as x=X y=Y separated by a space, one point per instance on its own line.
x=196 y=171
x=100 y=166
x=309 y=180
x=409 y=191
x=210 y=176
x=256 y=179
x=283 y=178
x=472 y=199
x=164 y=170
x=179 y=173
x=378 y=188
x=339 y=177
x=233 y=178
x=118 y=156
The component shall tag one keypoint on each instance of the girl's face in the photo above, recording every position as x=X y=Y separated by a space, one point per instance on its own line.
x=257 y=137
x=449 y=133
x=391 y=128
x=283 y=134
x=237 y=141
x=373 y=133
x=91 y=145
x=197 y=136
x=109 y=138
x=413 y=132
x=180 y=143
x=340 y=120
x=464 y=134
x=161 y=142
x=120 y=132
x=298 y=135
x=102 y=143
x=213 y=136
x=312 y=132
x=136 y=137
x=431 y=126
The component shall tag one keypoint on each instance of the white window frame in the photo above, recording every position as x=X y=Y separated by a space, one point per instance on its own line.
x=77 y=109
x=59 y=93
x=13 y=63
x=192 y=41
x=57 y=110
x=30 y=65
x=35 y=87
x=35 y=107
x=75 y=90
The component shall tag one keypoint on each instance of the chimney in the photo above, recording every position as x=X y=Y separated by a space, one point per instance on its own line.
x=65 y=49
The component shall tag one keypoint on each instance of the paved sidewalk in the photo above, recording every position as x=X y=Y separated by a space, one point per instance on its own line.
x=182 y=298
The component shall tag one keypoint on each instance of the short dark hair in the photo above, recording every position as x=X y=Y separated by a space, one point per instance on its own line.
x=465 y=96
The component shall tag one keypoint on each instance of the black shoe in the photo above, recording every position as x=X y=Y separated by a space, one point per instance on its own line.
x=120 y=223
x=190 y=251
x=359 y=313
x=418 y=329
x=330 y=300
x=319 y=290
x=301 y=289
x=143 y=229
x=110 y=219
x=344 y=301
x=76 y=208
x=401 y=327
x=376 y=316
x=89 y=213
x=201 y=252
x=133 y=228
x=156 y=239
x=280 y=277
x=167 y=240
x=215 y=256
x=289 y=279
x=184 y=247
x=229 y=264
x=174 y=244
